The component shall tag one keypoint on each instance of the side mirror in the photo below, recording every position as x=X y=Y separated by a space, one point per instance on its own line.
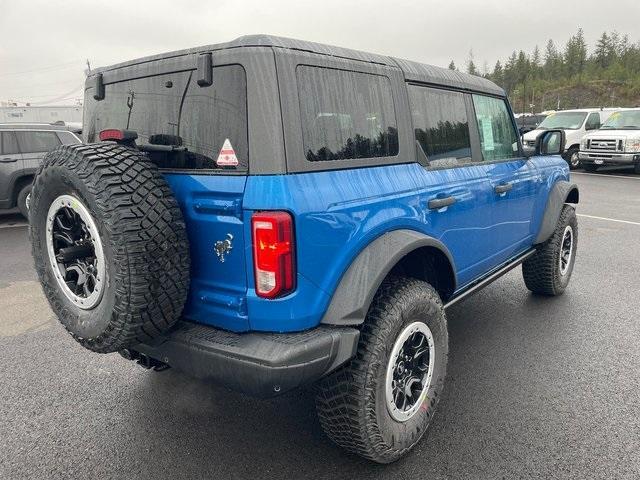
x=551 y=142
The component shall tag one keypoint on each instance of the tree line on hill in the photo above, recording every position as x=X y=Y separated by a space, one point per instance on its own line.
x=571 y=76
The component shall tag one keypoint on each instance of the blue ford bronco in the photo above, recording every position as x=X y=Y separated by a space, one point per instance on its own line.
x=271 y=213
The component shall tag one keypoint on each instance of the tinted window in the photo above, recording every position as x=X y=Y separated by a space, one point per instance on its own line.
x=213 y=114
x=152 y=106
x=498 y=138
x=67 y=138
x=593 y=122
x=441 y=125
x=35 y=142
x=148 y=105
x=346 y=114
x=9 y=143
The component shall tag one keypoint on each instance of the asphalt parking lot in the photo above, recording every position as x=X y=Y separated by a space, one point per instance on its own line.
x=538 y=387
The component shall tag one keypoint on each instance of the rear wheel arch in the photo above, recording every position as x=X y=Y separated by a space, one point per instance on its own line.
x=18 y=185
x=399 y=252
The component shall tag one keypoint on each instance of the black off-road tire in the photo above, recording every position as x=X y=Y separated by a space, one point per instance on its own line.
x=541 y=272
x=143 y=235
x=590 y=167
x=21 y=200
x=351 y=402
x=636 y=168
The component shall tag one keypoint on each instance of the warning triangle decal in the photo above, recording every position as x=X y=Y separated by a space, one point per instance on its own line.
x=227 y=156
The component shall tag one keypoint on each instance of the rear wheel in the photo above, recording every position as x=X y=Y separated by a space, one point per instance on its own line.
x=23 y=200
x=381 y=404
x=109 y=245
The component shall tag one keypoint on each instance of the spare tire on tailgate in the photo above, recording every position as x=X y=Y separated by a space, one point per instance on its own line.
x=110 y=245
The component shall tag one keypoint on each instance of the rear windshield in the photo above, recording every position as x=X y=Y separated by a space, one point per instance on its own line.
x=346 y=115
x=204 y=118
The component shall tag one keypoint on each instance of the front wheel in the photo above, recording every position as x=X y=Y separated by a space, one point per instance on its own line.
x=591 y=168
x=549 y=270
x=381 y=404
x=573 y=158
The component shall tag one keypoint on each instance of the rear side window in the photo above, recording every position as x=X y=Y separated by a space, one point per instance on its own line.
x=498 y=138
x=36 y=142
x=67 y=138
x=346 y=115
x=441 y=125
x=8 y=143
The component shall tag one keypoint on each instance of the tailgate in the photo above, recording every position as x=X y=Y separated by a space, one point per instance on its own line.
x=212 y=209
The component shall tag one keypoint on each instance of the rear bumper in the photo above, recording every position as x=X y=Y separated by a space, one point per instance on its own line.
x=597 y=158
x=259 y=364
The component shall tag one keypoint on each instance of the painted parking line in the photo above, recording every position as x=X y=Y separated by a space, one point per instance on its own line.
x=604 y=175
x=15 y=225
x=628 y=222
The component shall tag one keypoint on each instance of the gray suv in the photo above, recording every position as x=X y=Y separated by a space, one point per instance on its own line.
x=22 y=147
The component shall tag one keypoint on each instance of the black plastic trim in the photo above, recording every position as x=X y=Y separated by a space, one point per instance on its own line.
x=358 y=285
x=259 y=364
x=478 y=285
x=560 y=193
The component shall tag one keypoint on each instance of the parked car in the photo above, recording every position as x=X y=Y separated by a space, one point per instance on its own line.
x=527 y=122
x=576 y=124
x=22 y=147
x=270 y=213
x=616 y=143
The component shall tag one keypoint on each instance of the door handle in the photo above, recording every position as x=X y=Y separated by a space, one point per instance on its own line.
x=8 y=160
x=438 y=203
x=503 y=188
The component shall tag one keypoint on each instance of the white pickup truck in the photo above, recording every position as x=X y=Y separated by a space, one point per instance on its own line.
x=576 y=124
x=616 y=143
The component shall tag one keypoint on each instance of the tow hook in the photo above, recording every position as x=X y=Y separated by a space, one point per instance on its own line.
x=143 y=360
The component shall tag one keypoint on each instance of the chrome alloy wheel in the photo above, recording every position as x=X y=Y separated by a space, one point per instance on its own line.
x=566 y=250
x=409 y=371
x=75 y=252
x=574 y=160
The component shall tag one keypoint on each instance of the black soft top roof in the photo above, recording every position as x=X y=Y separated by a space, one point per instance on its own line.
x=413 y=71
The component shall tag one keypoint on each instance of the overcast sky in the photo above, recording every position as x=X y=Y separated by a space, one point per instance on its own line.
x=45 y=43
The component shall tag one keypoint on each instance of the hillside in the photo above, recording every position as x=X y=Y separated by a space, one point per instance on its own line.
x=573 y=76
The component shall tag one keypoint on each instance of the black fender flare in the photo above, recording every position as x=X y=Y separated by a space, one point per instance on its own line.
x=562 y=192
x=358 y=285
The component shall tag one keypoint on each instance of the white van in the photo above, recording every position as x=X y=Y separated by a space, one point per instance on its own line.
x=616 y=143
x=576 y=124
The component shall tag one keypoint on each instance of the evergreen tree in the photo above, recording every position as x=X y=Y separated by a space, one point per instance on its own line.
x=452 y=66
x=603 y=50
x=471 y=66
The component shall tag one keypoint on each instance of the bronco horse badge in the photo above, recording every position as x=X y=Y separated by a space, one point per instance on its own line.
x=223 y=247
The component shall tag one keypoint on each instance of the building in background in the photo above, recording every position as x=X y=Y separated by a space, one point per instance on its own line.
x=69 y=114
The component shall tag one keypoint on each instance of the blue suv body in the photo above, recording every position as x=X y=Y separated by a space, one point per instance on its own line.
x=316 y=174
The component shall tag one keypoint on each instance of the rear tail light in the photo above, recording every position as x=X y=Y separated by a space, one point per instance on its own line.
x=273 y=253
x=117 y=135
